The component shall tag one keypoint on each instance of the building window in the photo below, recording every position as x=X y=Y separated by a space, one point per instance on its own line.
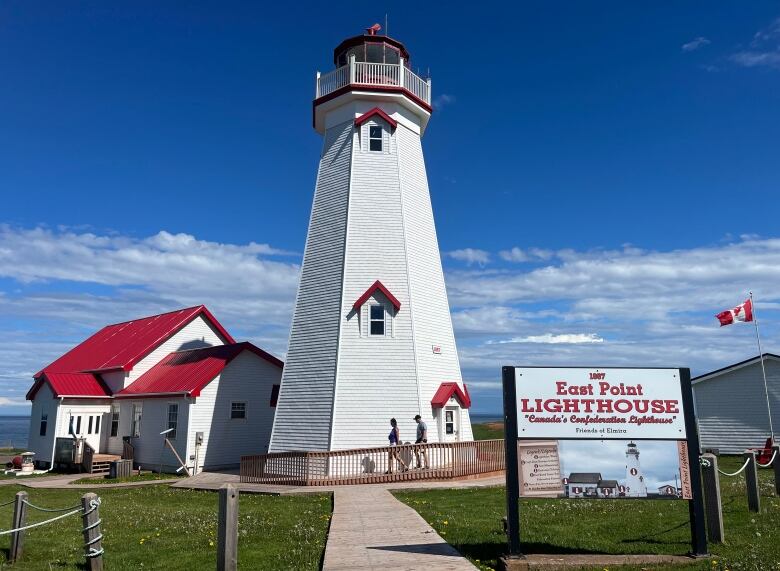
x=449 y=422
x=89 y=425
x=173 y=419
x=97 y=425
x=114 y=421
x=78 y=425
x=44 y=423
x=135 y=430
x=237 y=410
x=71 y=429
x=274 y=395
x=374 y=138
x=376 y=319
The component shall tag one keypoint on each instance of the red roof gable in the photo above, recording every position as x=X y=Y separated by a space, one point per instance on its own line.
x=84 y=385
x=377 y=285
x=376 y=111
x=188 y=372
x=447 y=390
x=122 y=345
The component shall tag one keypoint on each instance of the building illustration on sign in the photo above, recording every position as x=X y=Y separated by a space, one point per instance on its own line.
x=371 y=335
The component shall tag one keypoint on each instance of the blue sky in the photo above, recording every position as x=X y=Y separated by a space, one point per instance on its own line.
x=604 y=176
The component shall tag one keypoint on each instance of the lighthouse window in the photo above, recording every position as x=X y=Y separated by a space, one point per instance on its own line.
x=375 y=138
x=377 y=318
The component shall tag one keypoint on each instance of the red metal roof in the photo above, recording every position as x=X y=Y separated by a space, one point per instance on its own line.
x=377 y=285
x=71 y=385
x=373 y=112
x=188 y=372
x=121 y=345
x=447 y=390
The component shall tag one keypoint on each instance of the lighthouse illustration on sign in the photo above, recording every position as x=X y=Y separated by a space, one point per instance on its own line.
x=371 y=335
x=635 y=481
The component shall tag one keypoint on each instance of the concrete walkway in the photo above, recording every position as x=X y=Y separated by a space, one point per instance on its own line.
x=370 y=529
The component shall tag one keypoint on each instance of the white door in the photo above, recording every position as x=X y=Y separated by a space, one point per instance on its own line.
x=451 y=428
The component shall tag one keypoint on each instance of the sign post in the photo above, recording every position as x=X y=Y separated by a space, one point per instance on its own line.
x=569 y=403
x=512 y=474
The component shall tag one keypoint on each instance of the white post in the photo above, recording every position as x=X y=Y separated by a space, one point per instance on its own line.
x=428 y=99
x=352 y=68
x=761 y=356
x=401 y=72
x=317 y=87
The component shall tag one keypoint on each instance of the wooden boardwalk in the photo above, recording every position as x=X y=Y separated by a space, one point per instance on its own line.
x=371 y=530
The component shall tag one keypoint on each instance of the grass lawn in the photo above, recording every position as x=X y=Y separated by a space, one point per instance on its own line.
x=156 y=527
x=470 y=519
x=488 y=431
x=146 y=477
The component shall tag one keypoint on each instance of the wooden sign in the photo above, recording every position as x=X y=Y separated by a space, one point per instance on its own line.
x=685 y=470
x=539 y=468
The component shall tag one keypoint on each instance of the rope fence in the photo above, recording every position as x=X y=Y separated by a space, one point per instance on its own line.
x=768 y=464
x=738 y=472
x=87 y=509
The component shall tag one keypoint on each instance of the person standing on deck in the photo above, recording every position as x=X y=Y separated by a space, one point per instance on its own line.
x=395 y=440
x=422 y=438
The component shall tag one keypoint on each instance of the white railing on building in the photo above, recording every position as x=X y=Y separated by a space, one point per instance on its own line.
x=379 y=74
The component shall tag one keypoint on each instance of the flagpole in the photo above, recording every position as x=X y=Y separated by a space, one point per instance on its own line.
x=763 y=370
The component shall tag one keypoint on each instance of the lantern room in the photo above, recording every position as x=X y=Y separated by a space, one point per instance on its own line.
x=371 y=48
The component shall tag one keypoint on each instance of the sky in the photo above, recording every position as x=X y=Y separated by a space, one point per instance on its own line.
x=604 y=176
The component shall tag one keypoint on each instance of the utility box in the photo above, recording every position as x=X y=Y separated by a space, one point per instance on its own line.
x=120 y=469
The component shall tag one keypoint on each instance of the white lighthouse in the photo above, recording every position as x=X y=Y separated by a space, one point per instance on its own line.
x=371 y=336
x=636 y=487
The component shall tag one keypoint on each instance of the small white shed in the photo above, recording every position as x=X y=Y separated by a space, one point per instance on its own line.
x=731 y=406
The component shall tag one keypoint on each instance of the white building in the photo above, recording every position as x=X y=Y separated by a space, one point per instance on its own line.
x=590 y=485
x=731 y=406
x=131 y=381
x=371 y=336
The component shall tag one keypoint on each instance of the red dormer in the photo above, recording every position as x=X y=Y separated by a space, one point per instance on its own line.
x=448 y=390
x=376 y=286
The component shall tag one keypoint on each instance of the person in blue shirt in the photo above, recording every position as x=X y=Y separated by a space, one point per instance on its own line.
x=395 y=440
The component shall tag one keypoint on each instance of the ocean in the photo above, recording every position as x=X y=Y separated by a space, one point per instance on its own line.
x=13 y=431
x=479 y=418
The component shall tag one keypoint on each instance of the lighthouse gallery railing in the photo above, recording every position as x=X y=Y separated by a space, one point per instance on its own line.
x=374 y=74
x=445 y=460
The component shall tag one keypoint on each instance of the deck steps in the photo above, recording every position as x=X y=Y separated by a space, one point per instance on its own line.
x=101 y=463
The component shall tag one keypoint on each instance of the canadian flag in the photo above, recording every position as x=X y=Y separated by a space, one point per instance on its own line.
x=743 y=312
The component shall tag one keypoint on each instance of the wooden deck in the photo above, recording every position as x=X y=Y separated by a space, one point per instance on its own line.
x=432 y=461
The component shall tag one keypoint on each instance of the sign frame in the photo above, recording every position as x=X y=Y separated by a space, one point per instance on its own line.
x=695 y=504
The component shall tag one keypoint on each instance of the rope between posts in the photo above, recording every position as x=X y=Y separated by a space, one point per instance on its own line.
x=738 y=471
x=7 y=531
x=51 y=509
x=768 y=464
x=7 y=503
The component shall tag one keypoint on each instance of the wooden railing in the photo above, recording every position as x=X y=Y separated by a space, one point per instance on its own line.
x=378 y=74
x=436 y=461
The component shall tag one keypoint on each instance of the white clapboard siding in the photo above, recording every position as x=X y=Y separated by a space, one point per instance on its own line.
x=731 y=407
x=248 y=379
x=150 y=450
x=376 y=375
x=197 y=333
x=430 y=307
x=306 y=396
x=43 y=403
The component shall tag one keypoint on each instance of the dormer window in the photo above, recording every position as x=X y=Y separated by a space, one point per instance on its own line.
x=377 y=320
x=375 y=138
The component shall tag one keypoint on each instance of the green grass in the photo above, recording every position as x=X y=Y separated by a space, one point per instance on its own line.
x=146 y=477
x=156 y=527
x=488 y=431
x=4 y=476
x=470 y=519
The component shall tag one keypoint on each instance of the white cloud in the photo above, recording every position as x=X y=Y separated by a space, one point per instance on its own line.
x=519 y=255
x=471 y=256
x=442 y=100
x=764 y=49
x=4 y=401
x=695 y=44
x=554 y=339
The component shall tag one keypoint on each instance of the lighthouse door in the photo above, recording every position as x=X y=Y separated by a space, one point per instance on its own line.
x=451 y=424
